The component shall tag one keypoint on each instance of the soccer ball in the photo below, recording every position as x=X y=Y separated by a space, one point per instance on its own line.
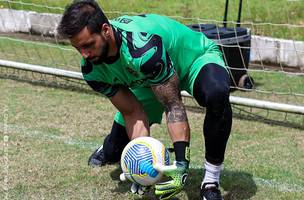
x=138 y=159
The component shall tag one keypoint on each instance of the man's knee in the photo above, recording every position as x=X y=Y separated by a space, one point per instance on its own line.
x=217 y=98
x=212 y=86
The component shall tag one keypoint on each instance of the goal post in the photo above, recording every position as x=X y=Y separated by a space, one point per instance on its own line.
x=233 y=99
x=28 y=41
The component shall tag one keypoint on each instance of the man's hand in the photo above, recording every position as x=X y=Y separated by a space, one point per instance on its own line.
x=135 y=188
x=178 y=172
x=138 y=189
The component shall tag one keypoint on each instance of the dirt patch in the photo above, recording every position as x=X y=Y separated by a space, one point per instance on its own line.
x=274 y=67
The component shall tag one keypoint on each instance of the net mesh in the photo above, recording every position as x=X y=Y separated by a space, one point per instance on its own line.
x=275 y=69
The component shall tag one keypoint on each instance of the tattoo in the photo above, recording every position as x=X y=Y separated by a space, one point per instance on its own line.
x=169 y=95
x=176 y=114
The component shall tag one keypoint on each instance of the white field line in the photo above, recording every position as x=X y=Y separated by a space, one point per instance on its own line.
x=48 y=136
x=282 y=187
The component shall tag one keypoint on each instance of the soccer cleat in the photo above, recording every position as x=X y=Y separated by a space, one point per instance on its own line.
x=210 y=191
x=97 y=159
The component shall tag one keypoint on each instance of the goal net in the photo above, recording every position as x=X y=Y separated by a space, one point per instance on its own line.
x=270 y=52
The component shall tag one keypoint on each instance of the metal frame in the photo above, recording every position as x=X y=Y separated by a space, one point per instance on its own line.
x=234 y=100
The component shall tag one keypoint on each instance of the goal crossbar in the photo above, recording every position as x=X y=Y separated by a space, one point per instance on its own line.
x=233 y=99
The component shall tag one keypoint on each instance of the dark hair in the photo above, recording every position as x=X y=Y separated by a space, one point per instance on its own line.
x=81 y=14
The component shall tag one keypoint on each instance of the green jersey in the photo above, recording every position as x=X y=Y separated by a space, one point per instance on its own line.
x=151 y=48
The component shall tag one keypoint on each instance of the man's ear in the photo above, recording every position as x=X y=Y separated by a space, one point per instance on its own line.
x=105 y=30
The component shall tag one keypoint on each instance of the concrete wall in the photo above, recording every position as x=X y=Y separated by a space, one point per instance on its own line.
x=14 y=21
x=264 y=49
x=25 y=21
x=273 y=50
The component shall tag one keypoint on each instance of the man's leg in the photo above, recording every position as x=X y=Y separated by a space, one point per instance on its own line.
x=211 y=90
x=112 y=147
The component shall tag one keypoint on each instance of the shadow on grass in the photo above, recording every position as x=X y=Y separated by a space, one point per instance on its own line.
x=124 y=187
x=263 y=119
x=237 y=185
x=81 y=87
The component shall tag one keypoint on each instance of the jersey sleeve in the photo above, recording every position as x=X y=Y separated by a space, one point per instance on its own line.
x=91 y=79
x=151 y=57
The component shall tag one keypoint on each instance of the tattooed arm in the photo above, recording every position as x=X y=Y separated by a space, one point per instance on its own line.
x=168 y=94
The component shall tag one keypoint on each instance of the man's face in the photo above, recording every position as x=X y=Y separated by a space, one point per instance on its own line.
x=94 y=47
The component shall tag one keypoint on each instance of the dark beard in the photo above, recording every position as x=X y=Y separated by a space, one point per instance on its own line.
x=104 y=54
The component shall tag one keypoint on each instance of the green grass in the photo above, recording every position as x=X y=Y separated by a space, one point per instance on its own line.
x=52 y=131
x=254 y=11
x=39 y=53
x=65 y=57
x=54 y=125
x=276 y=86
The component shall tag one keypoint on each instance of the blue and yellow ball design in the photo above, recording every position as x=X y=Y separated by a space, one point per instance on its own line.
x=139 y=157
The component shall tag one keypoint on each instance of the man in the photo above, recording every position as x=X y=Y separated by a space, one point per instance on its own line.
x=141 y=63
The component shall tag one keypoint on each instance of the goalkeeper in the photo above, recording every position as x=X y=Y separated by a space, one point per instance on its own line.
x=141 y=63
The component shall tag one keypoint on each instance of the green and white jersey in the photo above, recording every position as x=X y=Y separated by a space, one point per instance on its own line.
x=151 y=47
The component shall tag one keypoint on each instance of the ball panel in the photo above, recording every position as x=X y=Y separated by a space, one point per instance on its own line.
x=139 y=157
x=134 y=157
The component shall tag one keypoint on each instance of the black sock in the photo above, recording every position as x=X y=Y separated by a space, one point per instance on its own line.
x=182 y=151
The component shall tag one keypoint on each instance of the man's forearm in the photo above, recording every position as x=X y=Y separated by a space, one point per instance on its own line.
x=135 y=118
x=179 y=131
x=177 y=123
x=169 y=95
x=136 y=125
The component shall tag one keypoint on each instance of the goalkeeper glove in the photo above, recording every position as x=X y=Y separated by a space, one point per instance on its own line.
x=178 y=172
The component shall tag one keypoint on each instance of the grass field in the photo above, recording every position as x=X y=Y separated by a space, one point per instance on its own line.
x=255 y=12
x=65 y=57
x=49 y=132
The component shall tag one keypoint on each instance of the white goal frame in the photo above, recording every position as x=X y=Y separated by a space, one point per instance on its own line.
x=233 y=99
